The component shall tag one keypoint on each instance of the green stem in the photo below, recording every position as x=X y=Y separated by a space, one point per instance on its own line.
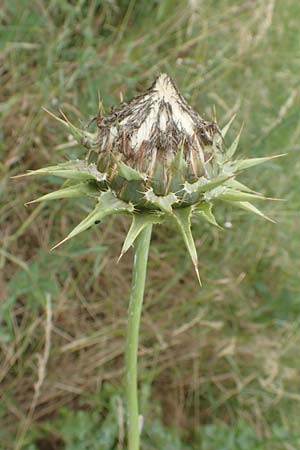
x=132 y=338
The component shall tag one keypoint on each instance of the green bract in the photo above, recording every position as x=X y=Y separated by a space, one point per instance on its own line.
x=154 y=158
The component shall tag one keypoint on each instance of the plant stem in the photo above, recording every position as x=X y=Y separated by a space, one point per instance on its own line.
x=132 y=338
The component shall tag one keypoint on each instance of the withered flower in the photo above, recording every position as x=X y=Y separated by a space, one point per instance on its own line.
x=156 y=159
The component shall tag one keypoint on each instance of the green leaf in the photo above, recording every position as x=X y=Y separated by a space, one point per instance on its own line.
x=81 y=136
x=247 y=163
x=179 y=163
x=177 y=170
x=129 y=173
x=163 y=202
x=235 y=195
x=204 y=185
x=218 y=138
x=182 y=217
x=234 y=184
x=232 y=149
x=108 y=205
x=74 y=170
x=225 y=129
x=251 y=208
x=74 y=191
x=204 y=211
x=139 y=222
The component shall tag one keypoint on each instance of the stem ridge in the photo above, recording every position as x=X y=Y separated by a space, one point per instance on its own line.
x=132 y=335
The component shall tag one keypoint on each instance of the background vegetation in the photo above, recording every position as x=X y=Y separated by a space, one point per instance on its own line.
x=219 y=367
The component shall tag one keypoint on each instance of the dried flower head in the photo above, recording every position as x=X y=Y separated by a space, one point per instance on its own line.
x=152 y=127
x=156 y=159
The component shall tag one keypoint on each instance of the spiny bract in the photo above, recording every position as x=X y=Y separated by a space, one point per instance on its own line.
x=154 y=158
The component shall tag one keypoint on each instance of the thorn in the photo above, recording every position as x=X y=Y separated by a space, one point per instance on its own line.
x=100 y=104
x=121 y=255
x=54 y=116
x=21 y=175
x=214 y=113
x=275 y=199
x=280 y=155
x=198 y=275
x=31 y=201
x=59 y=243
x=64 y=116
x=231 y=120
x=270 y=219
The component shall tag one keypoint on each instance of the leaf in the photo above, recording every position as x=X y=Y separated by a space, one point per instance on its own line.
x=227 y=126
x=235 y=184
x=249 y=207
x=75 y=170
x=81 y=136
x=247 y=163
x=204 y=185
x=236 y=195
x=163 y=202
x=183 y=219
x=108 y=205
x=218 y=138
x=129 y=173
x=139 y=222
x=179 y=163
x=74 y=191
x=232 y=149
x=204 y=211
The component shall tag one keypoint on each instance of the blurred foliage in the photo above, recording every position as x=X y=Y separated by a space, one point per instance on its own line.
x=90 y=430
x=220 y=365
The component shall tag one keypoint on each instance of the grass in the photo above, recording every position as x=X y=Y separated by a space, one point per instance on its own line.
x=219 y=367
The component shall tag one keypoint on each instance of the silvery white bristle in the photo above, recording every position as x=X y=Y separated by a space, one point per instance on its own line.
x=159 y=120
x=167 y=108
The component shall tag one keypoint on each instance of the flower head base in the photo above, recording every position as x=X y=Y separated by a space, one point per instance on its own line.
x=156 y=159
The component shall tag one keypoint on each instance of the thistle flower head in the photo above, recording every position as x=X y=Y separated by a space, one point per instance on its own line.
x=161 y=138
x=149 y=130
x=156 y=159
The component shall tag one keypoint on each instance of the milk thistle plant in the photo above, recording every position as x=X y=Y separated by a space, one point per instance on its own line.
x=157 y=160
